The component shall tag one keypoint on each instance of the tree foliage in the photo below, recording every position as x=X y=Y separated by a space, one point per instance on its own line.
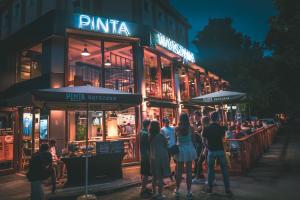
x=241 y=61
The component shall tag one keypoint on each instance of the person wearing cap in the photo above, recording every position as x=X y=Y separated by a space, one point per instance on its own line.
x=168 y=132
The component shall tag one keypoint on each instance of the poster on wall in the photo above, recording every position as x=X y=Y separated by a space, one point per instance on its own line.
x=27 y=124
x=44 y=127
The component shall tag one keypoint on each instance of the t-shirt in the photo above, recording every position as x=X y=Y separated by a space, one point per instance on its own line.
x=214 y=134
x=39 y=166
x=144 y=145
x=168 y=132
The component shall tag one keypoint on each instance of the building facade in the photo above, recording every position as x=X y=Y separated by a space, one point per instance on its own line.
x=134 y=46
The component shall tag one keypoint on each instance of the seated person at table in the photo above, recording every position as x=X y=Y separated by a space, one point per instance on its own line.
x=234 y=145
x=57 y=164
x=238 y=132
x=128 y=129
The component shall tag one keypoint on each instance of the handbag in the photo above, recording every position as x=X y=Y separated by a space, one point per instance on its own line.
x=174 y=150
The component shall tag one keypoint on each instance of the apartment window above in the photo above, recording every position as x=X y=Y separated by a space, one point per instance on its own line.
x=76 y=5
x=146 y=6
x=16 y=10
x=30 y=63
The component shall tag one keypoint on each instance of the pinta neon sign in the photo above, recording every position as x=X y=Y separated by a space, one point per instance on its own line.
x=173 y=46
x=103 y=25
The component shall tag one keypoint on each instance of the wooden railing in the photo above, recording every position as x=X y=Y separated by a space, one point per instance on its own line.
x=250 y=149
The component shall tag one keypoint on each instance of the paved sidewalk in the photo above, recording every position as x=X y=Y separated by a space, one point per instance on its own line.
x=276 y=176
x=16 y=186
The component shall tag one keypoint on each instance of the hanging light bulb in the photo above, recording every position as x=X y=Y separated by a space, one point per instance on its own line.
x=183 y=74
x=127 y=69
x=107 y=62
x=85 y=51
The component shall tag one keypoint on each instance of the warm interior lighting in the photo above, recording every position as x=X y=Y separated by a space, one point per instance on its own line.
x=107 y=62
x=85 y=52
x=113 y=115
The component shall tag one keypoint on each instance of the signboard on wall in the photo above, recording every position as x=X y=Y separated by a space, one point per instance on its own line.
x=44 y=127
x=27 y=124
x=103 y=25
x=160 y=39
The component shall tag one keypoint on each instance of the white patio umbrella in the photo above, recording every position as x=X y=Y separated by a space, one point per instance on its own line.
x=220 y=97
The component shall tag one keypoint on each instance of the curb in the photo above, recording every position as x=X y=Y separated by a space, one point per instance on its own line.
x=71 y=193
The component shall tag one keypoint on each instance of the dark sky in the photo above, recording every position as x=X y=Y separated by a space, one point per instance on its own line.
x=249 y=16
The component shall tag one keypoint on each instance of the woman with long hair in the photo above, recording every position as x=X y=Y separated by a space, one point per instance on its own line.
x=186 y=155
x=159 y=159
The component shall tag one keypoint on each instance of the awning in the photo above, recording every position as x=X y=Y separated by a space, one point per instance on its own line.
x=79 y=97
x=76 y=98
x=220 y=97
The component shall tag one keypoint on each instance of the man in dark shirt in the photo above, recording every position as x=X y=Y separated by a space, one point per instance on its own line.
x=40 y=168
x=213 y=136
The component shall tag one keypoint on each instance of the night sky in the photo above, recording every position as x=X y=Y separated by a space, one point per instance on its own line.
x=249 y=16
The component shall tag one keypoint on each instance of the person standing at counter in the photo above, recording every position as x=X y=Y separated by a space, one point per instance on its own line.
x=40 y=169
x=145 y=158
x=159 y=159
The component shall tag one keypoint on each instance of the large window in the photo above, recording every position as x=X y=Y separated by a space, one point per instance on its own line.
x=119 y=66
x=192 y=83
x=158 y=76
x=85 y=62
x=167 y=79
x=89 y=59
x=184 y=84
x=29 y=65
x=6 y=141
x=113 y=126
x=152 y=75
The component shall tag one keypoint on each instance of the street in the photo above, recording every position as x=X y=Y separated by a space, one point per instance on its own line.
x=276 y=176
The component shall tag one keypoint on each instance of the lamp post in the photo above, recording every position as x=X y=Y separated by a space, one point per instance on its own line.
x=86 y=195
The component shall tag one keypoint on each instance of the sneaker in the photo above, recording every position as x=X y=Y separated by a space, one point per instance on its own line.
x=207 y=191
x=145 y=195
x=160 y=197
x=198 y=181
x=215 y=183
x=189 y=196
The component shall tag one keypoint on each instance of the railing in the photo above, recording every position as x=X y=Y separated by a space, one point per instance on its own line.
x=248 y=150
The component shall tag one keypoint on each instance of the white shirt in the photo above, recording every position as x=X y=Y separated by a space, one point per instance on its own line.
x=168 y=132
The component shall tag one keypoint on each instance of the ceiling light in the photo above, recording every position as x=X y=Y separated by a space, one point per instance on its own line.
x=85 y=52
x=183 y=74
x=127 y=69
x=107 y=63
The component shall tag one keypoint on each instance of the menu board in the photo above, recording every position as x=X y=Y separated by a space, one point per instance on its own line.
x=27 y=124
x=44 y=127
x=6 y=144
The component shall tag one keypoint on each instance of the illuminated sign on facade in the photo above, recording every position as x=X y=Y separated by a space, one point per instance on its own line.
x=173 y=46
x=103 y=25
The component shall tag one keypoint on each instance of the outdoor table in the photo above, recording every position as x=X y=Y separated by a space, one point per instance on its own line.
x=101 y=166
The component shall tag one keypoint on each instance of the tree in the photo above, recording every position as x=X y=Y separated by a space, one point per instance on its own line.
x=239 y=60
x=283 y=39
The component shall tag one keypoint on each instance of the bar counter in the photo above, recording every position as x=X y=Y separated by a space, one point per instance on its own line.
x=101 y=166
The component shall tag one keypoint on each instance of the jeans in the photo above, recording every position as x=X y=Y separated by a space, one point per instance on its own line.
x=37 y=192
x=212 y=156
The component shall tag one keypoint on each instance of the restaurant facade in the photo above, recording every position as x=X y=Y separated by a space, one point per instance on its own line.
x=62 y=50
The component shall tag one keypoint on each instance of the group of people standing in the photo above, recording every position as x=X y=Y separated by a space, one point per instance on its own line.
x=195 y=140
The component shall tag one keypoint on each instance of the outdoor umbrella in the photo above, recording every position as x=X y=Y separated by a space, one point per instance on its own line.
x=219 y=98
x=88 y=98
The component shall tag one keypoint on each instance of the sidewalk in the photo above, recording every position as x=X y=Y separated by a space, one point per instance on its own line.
x=276 y=176
x=16 y=186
